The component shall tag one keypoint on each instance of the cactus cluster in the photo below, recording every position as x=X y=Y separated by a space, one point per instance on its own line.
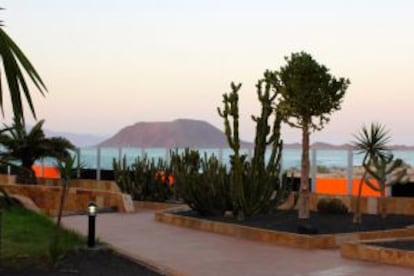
x=145 y=179
x=202 y=182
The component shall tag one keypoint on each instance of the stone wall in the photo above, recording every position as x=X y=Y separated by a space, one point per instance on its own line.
x=104 y=185
x=47 y=198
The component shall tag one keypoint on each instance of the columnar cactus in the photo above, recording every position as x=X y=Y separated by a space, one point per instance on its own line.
x=230 y=113
x=254 y=184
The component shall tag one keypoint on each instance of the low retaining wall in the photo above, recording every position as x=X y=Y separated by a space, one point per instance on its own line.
x=324 y=241
x=103 y=185
x=47 y=198
x=378 y=254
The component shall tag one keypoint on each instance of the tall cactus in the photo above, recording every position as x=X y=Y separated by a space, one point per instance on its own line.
x=265 y=178
x=387 y=172
x=254 y=184
x=230 y=114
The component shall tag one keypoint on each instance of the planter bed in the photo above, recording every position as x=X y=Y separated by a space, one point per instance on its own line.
x=389 y=251
x=285 y=229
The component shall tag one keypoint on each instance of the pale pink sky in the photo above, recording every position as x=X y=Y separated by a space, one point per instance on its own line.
x=108 y=64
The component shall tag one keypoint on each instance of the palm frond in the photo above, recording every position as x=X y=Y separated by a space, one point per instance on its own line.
x=14 y=64
x=372 y=142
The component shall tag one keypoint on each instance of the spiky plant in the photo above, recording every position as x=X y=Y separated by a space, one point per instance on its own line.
x=372 y=143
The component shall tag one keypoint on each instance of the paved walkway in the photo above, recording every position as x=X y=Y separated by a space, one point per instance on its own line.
x=192 y=252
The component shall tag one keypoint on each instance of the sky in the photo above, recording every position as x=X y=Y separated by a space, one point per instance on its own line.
x=109 y=64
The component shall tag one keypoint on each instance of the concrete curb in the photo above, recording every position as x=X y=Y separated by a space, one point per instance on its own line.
x=322 y=241
x=359 y=250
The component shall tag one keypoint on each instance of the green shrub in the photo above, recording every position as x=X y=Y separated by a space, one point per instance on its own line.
x=323 y=169
x=331 y=206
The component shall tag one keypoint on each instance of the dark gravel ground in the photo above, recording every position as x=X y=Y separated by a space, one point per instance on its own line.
x=287 y=221
x=102 y=262
x=398 y=244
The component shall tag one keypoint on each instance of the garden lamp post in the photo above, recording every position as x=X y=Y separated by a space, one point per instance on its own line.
x=91 y=224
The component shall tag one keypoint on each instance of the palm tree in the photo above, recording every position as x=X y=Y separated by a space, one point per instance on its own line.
x=15 y=63
x=372 y=143
x=27 y=147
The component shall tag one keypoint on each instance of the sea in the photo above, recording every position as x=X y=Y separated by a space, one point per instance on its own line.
x=93 y=158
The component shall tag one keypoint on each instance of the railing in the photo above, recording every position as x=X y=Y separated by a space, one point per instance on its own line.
x=324 y=162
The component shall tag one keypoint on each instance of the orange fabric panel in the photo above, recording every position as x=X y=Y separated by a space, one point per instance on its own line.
x=366 y=190
x=339 y=186
x=48 y=172
x=332 y=186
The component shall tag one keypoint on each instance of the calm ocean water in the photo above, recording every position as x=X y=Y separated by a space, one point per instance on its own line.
x=290 y=159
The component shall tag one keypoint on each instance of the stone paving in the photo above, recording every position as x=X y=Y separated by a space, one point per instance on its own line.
x=182 y=251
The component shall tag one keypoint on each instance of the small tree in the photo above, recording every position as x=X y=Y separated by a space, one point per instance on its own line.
x=309 y=95
x=372 y=143
x=28 y=146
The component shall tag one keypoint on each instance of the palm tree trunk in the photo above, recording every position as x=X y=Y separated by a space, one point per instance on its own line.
x=60 y=211
x=303 y=202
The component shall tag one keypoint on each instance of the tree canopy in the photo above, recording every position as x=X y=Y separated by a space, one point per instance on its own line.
x=309 y=92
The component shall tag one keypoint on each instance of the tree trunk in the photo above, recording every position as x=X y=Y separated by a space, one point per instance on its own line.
x=303 y=201
x=357 y=214
x=383 y=204
x=62 y=201
x=26 y=176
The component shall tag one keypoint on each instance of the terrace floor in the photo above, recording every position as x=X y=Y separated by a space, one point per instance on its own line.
x=182 y=251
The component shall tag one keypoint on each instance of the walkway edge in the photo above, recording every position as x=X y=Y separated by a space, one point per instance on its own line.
x=150 y=264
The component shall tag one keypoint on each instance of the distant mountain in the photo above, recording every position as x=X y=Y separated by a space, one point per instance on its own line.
x=79 y=140
x=179 y=133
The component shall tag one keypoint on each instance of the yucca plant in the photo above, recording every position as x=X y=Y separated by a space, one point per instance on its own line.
x=372 y=142
x=387 y=171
